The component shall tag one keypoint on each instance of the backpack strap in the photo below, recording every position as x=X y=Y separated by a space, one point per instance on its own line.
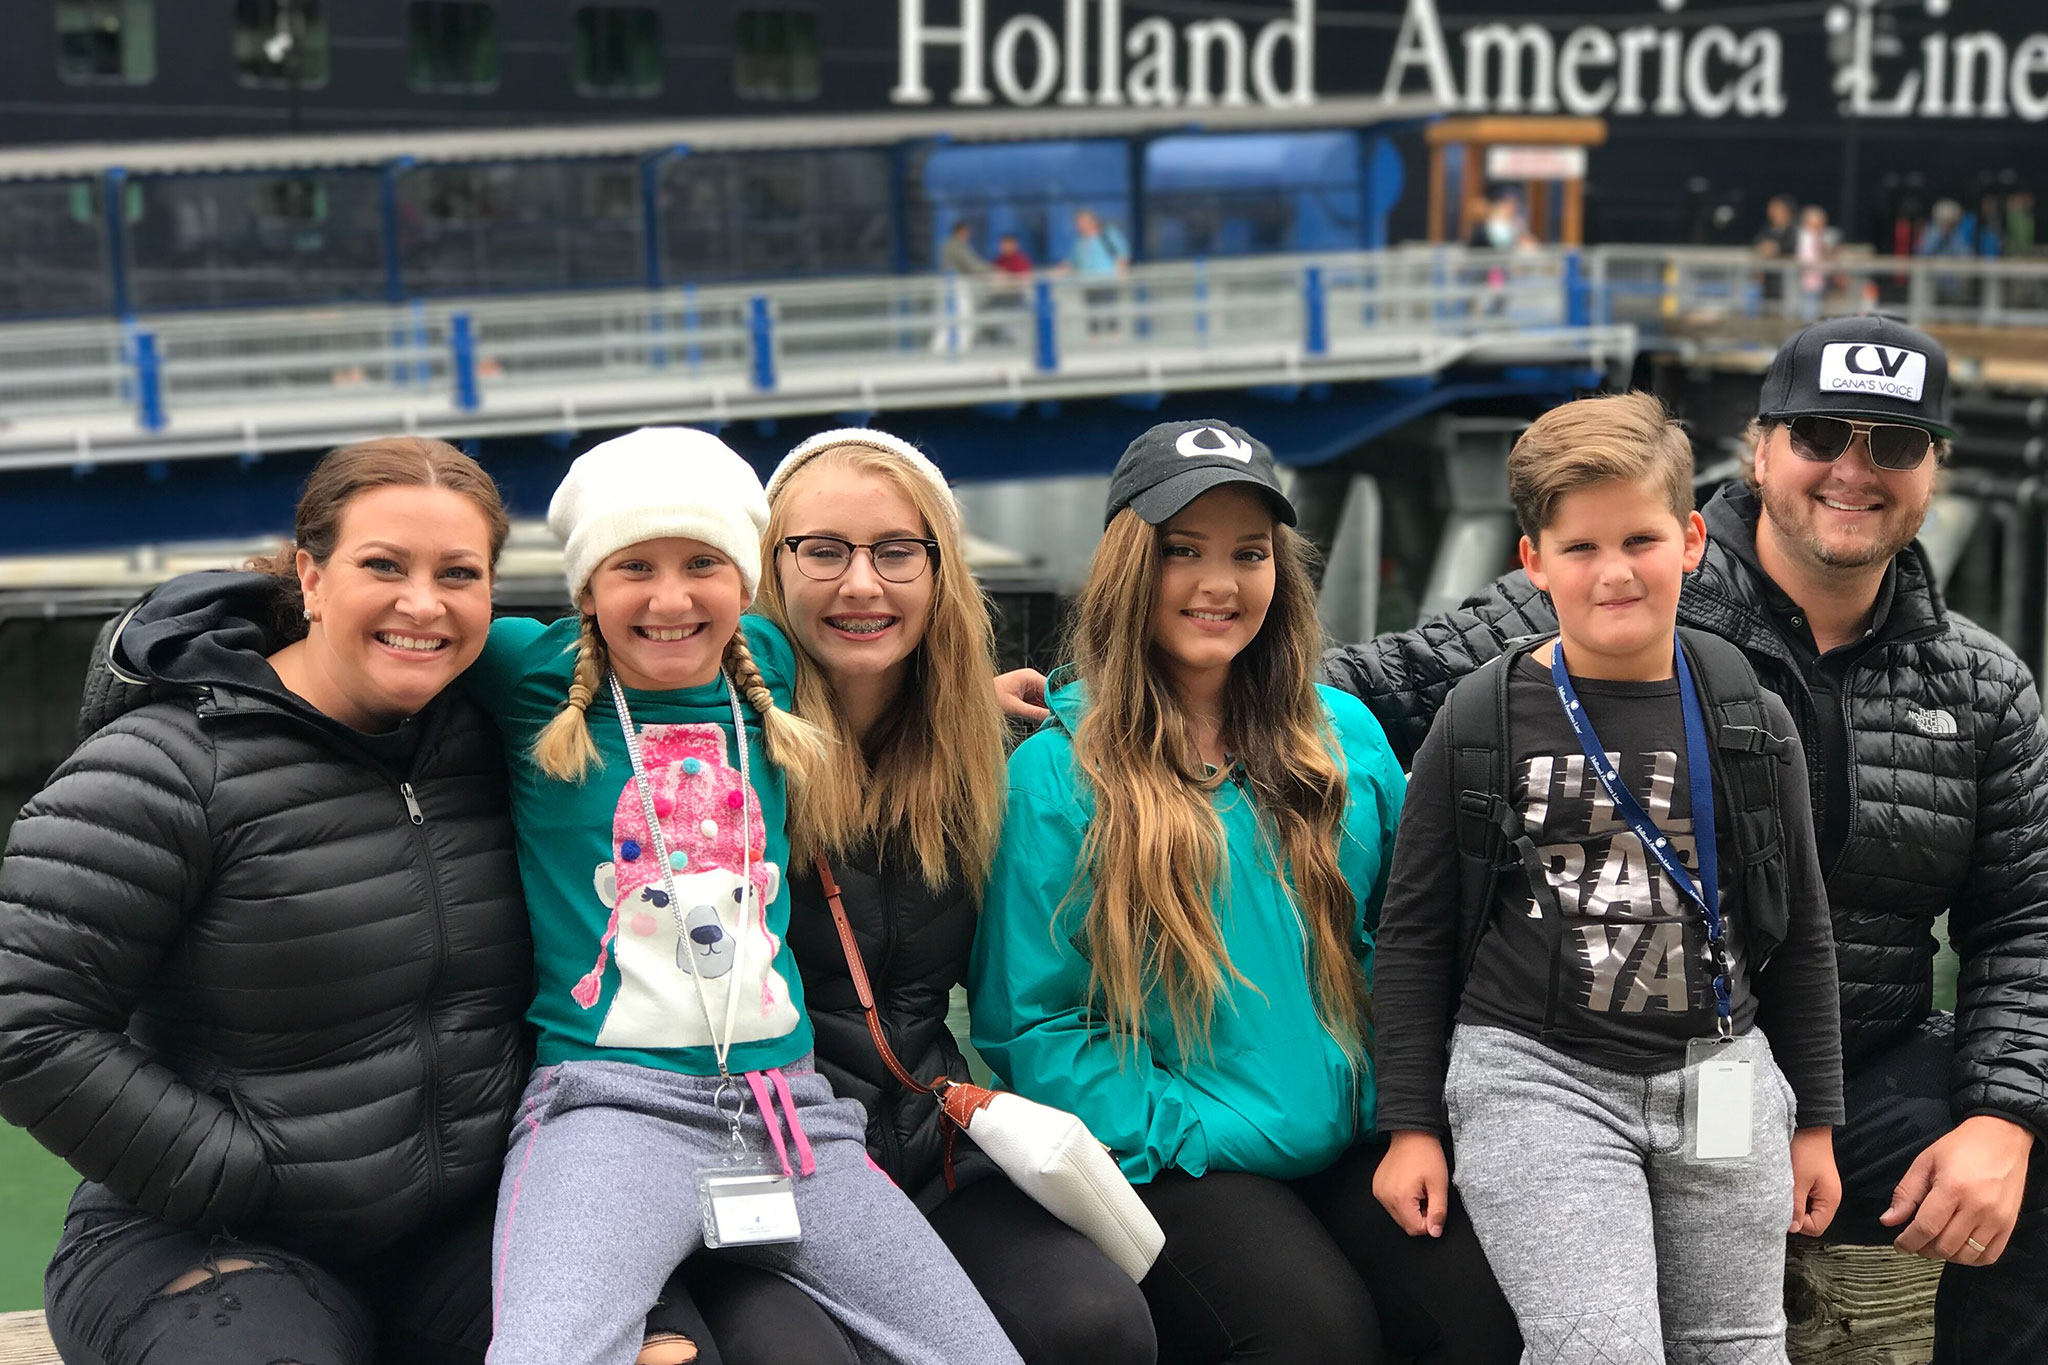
x=1491 y=839
x=1747 y=759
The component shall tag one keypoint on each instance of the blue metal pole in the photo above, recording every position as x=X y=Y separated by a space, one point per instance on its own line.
x=114 y=192
x=761 y=324
x=1575 y=310
x=394 y=248
x=1315 y=312
x=650 y=220
x=1048 y=327
x=1201 y=301
x=462 y=348
x=149 y=383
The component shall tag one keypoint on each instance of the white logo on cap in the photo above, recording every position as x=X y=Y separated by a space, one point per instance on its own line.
x=1190 y=444
x=1864 y=367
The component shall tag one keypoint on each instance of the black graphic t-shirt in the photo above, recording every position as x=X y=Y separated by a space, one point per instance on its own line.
x=1610 y=965
x=1631 y=982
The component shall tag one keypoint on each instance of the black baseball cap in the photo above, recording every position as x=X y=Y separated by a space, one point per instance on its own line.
x=1873 y=369
x=1176 y=462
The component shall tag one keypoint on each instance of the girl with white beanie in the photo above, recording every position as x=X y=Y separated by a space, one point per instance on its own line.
x=675 y=1105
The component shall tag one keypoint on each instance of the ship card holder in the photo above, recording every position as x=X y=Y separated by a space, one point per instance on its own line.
x=1720 y=1101
x=744 y=1208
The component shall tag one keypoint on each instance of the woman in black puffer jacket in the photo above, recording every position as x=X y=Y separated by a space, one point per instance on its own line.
x=263 y=956
x=894 y=657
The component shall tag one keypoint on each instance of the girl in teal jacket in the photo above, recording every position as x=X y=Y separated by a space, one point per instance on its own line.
x=1176 y=942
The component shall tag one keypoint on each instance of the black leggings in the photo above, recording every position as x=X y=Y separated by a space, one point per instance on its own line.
x=1060 y=1300
x=1300 y=1271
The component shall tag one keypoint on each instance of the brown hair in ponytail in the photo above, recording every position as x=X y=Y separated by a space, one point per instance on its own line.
x=564 y=749
x=341 y=475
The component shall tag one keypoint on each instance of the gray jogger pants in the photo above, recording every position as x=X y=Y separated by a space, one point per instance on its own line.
x=599 y=1202
x=1613 y=1246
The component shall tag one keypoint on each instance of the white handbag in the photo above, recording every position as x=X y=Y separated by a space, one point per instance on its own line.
x=1047 y=1153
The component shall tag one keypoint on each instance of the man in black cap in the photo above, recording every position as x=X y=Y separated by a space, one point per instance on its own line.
x=1929 y=763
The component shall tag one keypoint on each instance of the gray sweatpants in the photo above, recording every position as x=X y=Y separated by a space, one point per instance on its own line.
x=1611 y=1244
x=599 y=1203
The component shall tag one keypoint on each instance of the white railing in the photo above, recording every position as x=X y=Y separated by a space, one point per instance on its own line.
x=211 y=383
x=1657 y=286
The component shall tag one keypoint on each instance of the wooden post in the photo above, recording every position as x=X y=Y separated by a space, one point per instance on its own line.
x=1472 y=184
x=1436 y=192
x=1572 y=231
x=1858 y=1305
x=1539 y=209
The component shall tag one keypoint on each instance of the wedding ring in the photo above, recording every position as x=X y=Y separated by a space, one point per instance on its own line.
x=1973 y=1244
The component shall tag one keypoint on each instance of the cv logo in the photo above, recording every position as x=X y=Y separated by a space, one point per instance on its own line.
x=1193 y=445
x=1888 y=362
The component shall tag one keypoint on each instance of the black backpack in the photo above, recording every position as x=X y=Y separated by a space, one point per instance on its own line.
x=1491 y=840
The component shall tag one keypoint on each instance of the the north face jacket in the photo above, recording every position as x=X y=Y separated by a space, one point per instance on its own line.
x=258 y=971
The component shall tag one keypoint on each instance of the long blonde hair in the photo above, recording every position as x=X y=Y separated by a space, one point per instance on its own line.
x=1154 y=847
x=930 y=778
x=565 y=751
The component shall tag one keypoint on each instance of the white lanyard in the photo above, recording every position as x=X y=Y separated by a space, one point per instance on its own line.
x=720 y=1047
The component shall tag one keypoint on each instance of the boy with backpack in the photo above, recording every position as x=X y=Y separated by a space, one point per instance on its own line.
x=1604 y=896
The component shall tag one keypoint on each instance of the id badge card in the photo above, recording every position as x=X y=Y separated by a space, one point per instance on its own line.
x=1720 y=1095
x=744 y=1208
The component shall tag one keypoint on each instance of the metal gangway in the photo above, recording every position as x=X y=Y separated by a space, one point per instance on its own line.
x=219 y=384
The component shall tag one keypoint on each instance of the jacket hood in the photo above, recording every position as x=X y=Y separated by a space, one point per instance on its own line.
x=1066 y=698
x=198 y=632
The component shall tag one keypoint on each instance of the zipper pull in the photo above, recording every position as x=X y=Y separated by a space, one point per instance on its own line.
x=412 y=805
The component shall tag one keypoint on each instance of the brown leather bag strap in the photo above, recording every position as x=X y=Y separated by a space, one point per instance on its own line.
x=861 y=988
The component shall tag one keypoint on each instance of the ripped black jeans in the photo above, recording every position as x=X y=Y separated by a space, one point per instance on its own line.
x=424 y=1301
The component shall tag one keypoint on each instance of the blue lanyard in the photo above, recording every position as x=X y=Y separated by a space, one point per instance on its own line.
x=1706 y=893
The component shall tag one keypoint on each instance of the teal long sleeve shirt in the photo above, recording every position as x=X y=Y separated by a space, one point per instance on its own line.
x=1273 y=1093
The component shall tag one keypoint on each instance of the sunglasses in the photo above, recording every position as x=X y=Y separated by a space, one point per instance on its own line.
x=1892 y=446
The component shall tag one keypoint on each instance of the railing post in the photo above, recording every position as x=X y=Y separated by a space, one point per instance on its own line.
x=1315 y=312
x=952 y=327
x=1048 y=327
x=1201 y=301
x=1576 y=313
x=149 y=382
x=761 y=327
x=691 y=325
x=462 y=356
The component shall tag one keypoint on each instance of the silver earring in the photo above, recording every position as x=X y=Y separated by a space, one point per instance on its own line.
x=308 y=612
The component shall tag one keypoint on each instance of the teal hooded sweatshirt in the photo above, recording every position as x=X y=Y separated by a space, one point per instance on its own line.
x=1273 y=1093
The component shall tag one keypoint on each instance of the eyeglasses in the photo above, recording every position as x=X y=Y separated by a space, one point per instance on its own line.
x=825 y=558
x=1894 y=447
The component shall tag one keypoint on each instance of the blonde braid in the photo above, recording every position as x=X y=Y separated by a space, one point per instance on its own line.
x=794 y=744
x=565 y=750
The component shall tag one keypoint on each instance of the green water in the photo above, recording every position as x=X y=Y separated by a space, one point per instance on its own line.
x=34 y=1187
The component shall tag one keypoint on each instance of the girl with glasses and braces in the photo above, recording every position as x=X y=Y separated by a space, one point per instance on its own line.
x=894 y=652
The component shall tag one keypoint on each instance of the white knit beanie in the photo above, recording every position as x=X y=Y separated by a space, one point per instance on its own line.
x=912 y=459
x=657 y=482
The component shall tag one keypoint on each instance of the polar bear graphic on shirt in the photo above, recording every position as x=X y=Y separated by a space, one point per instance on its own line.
x=717 y=920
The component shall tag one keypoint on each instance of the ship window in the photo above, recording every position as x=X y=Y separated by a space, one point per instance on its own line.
x=454 y=45
x=618 y=50
x=106 y=41
x=292 y=201
x=281 y=42
x=776 y=57
x=459 y=194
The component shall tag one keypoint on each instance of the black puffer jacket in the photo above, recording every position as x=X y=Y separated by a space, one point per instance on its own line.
x=1948 y=796
x=241 y=984
x=914 y=944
